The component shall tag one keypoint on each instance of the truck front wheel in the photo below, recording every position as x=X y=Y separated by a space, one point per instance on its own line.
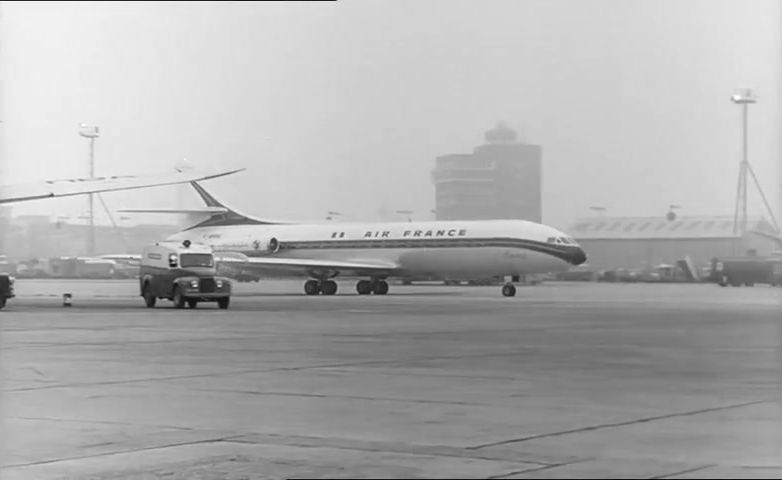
x=223 y=302
x=179 y=299
x=2 y=301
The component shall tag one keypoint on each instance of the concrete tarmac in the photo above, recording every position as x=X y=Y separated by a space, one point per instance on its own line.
x=564 y=380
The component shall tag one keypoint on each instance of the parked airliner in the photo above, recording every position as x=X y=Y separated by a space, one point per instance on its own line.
x=378 y=251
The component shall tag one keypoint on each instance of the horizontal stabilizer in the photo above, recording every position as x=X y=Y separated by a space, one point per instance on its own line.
x=186 y=211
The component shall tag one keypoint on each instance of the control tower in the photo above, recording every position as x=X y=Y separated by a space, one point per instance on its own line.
x=500 y=179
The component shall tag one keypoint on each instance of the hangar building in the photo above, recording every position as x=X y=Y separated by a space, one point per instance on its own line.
x=645 y=242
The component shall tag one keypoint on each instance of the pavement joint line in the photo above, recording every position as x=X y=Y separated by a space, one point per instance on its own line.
x=537 y=469
x=682 y=472
x=377 y=447
x=104 y=422
x=134 y=380
x=616 y=424
x=350 y=397
x=118 y=452
x=432 y=374
x=299 y=441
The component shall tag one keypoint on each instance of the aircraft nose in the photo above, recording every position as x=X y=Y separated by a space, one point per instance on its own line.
x=577 y=256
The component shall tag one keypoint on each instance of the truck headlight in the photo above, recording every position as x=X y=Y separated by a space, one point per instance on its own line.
x=194 y=283
x=11 y=280
x=219 y=283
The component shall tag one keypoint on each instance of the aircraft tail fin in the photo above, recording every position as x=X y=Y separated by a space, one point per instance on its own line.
x=224 y=215
x=214 y=213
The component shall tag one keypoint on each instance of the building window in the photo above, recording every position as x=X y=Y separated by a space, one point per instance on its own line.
x=614 y=226
x=693 y=225
x=644 y=226
x=629 y=227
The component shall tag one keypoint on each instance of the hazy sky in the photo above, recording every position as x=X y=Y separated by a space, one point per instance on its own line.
x=344 y=106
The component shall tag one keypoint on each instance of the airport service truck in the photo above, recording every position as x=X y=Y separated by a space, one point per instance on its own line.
x=182 y=272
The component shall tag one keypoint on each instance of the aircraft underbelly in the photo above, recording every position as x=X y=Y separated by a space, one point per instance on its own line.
x=472 y=261
x=478 y=261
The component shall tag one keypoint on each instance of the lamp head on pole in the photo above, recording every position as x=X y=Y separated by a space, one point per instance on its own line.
x=744 y=96
x=89 y=131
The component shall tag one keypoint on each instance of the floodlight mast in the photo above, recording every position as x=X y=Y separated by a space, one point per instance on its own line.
x=91 y=132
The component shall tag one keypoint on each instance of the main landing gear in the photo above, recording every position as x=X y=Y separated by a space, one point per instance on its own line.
x=329 y=287
x=378 y=287
x=314 y=287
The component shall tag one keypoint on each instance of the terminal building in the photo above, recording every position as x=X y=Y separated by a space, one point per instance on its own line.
x=500 y=179
x=647 y=242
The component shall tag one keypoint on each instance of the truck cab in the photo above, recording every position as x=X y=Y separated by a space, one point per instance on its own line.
x=184 y=273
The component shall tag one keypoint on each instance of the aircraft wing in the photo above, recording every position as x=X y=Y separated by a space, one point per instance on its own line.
x=304 y=266
x=82 y=186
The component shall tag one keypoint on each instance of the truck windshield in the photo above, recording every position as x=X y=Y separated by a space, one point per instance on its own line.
x=196 y=260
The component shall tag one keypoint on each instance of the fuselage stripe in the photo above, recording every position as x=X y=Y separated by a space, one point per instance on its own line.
x=562 y=252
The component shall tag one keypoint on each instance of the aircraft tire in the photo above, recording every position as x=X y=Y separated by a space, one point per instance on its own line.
x=311 y=287
x=363 y=287
x=329 y=287
x=380 y=287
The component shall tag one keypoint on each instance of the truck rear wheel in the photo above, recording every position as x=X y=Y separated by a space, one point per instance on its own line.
x=2 y=302
x=223 y=302
x=149 y=298
x=179 y=299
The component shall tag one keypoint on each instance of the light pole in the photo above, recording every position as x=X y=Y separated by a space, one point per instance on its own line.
x=92 y=132
x=744 y=98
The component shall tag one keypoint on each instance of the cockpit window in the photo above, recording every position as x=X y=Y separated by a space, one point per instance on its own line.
x=561 y=241
x=196 y=260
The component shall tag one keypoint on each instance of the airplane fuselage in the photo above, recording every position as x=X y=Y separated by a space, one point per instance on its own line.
x=451 y=248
